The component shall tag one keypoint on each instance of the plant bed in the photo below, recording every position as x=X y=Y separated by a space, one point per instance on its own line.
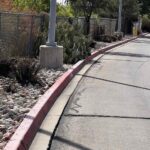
x=100 y=44
x=117 y=36
x=17 y=99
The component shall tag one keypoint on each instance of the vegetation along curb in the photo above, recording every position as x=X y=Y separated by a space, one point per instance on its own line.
x=25 y=133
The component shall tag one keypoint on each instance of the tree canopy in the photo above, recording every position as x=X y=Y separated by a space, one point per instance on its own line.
x=33 y=5
x=145 y=6
x=65 y=11
x=87 y=8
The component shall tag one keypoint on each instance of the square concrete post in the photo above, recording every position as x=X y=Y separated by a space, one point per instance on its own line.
x=51 y=55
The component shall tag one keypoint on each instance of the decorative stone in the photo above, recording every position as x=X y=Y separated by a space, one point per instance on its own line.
x=7 y=136
x=1 y=135
x=2 y=127
x=14 y=106
x=25 y=110
x=2 y=145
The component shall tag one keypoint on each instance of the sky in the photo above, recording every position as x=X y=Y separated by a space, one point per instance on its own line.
x=60 y=1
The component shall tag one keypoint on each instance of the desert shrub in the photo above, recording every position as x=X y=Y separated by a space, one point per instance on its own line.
x=76 y=44
x=105 y=38
x=114 y=38
x=5 y=67
x=38 y=40
x=92 y=44
x=25 y=71
x=110 y=38
x=146 y=23
x=118 y=35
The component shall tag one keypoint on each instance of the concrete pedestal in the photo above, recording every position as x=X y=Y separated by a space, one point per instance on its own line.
x=51 y=57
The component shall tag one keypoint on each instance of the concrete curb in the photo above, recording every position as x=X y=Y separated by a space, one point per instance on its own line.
x=25 y=133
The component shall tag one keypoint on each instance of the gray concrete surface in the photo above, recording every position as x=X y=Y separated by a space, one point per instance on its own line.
x=110 y=108
x=51 y=56
x=47 y=128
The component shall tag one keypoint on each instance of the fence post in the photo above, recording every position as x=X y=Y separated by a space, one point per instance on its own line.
x=17 y=28
x=30 y=46
x=17 y=35
x=110 y=27
x=42 y=23
x=0 y=23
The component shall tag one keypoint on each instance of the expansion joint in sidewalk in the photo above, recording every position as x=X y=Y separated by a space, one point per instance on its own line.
x=105 y=116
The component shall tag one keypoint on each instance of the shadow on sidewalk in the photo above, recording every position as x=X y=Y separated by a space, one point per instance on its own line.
x=127 y=54
x=63 y=140
x=115 y=82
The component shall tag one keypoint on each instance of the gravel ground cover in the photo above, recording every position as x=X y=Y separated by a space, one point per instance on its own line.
x=17 y=100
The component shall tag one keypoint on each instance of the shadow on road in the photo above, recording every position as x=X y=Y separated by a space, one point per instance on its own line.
x=141 y=41
x=145 y=37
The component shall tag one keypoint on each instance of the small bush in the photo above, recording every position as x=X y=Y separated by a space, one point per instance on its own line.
x=114 y=38
x=25 y=71
x=39 y=39
x=118 y=35
x=6 y=67
x=105 y=38
x=110 y=38
x=76 y=45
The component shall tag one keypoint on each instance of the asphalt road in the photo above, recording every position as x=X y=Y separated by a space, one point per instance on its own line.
x=110 y=108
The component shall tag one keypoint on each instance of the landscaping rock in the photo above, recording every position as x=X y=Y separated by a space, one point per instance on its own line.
x=17 y=100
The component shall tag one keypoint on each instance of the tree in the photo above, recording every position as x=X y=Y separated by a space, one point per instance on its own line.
x=109 y=9
x=42 y=5
x=32 y=5
x=145 y=5
x=146 y=23
x=64 y=10
x=131 y=11
x=85 y=8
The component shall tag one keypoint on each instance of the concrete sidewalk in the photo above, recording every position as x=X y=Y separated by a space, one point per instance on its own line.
x=110 y=108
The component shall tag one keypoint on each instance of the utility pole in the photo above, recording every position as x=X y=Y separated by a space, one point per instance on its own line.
x=52 y=24
x=120 y=16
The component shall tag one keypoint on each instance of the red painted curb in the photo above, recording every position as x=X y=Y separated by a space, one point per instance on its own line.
x=102 y=50
x=25 y=133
